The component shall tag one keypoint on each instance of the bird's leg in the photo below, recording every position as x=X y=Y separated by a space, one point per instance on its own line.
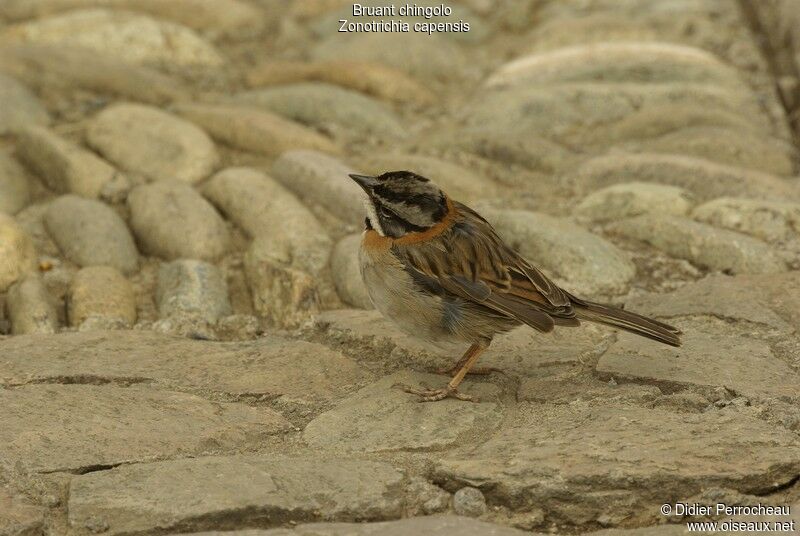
x=451 y=390
x=477 y=371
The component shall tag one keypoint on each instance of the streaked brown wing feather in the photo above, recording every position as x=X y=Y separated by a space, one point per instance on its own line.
x=471 y=261
x=513 y=262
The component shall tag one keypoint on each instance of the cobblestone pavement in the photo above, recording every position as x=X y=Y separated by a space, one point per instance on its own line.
x=185 y=342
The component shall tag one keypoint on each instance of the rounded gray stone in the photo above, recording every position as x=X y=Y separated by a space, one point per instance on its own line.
x=425 y=497
x=20 y=106
x=459 y=11
x=431 y=57
x=62 y=165
x=216 y=17
x=100 y=296
x=347 y=274
x=264 y=208
x=320 y=179
x=286 y=262
x=190 y=287
x=17 y=254
x=128 y=36
x=469 y=502
x=346 y=113
x=30 y=307
x=632 y=199
x=14 y=189
x=745 y=148
x=59 y=68
x=595 y=116
x=254 y=129
x=371 y=78
x=90 y=233
x=703 y=245
x=704 y=179
x=171 y=220
x=773 y=221
x=643 y=62
x=282 y=293
x=151 y=142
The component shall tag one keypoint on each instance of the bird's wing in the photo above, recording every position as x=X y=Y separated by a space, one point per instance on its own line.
x=471 y=261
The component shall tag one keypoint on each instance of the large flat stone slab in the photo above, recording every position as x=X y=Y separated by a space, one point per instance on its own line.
x=381 y=417
x=229 y=492
x=655 y=530
x=438 y=525
x=266 y=368
x=561 y=385
x=741 y=364
x=772 y=301
x=578 y=462
x=75 y=428
x=18 y=517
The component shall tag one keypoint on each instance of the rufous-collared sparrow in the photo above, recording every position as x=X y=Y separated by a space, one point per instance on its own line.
x=439 y=270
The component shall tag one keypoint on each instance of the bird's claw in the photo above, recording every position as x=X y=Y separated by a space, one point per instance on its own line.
x=427 y=394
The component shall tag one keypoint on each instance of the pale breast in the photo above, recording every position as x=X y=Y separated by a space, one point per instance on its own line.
x=395 y=295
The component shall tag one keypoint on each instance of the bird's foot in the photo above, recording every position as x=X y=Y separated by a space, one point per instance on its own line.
x=477 y=371
x=427 y=394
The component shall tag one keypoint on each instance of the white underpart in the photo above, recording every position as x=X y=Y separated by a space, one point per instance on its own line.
x=372 y=215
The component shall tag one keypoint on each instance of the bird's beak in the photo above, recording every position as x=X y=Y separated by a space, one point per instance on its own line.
x=365 y=181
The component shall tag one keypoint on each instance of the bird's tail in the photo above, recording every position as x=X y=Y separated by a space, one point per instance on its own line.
x=619 y=318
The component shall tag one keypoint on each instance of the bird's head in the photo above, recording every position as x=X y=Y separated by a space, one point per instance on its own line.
x=402 y=202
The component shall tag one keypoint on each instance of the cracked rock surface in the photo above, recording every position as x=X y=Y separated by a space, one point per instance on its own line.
x=186 y=345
